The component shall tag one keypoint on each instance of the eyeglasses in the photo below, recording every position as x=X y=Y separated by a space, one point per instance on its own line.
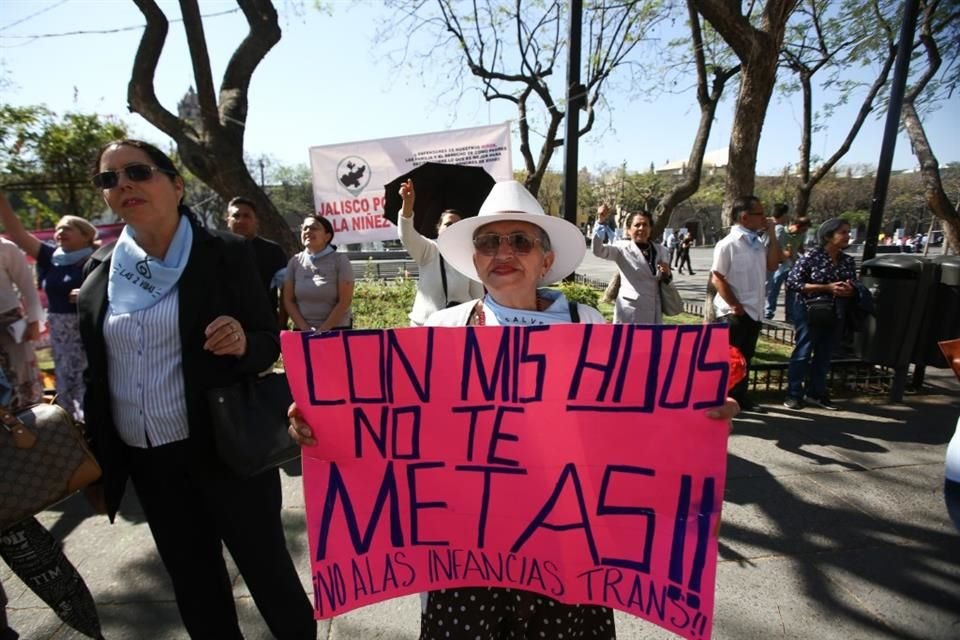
x=489 y=243
x=134 y=173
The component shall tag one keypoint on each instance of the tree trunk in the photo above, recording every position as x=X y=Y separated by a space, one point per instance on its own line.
x=212 y=147
x=708 y=98
x=801 y=198
x=936 y=197
x=758 y=50
x=757 y=79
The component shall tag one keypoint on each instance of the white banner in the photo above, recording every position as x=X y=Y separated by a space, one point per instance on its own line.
x=348 y=178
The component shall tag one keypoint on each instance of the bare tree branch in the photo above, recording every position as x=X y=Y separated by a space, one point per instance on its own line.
x=263 y=35
x=212 y=146
x=200 y=59
x=512 y=47
x=141 y=95
x=935 y=194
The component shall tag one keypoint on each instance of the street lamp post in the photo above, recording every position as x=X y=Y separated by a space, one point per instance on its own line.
x=575 y=98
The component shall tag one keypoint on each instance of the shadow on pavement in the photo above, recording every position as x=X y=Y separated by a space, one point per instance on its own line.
x=857 y=506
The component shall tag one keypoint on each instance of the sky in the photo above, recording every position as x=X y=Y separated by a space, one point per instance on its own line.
x=329 y=81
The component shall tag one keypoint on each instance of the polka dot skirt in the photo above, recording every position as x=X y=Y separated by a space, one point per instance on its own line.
x=487 y=613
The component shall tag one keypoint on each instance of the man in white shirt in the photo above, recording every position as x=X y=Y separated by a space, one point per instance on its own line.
x=741 y=261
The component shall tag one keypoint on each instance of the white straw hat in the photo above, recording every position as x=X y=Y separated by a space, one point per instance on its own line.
x=510 y=200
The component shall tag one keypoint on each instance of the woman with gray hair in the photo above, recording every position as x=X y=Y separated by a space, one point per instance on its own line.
x=515 y=250
x=823 y=279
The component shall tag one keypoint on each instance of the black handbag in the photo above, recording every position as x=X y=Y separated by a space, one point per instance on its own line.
x=250 y=423
x=821 y=312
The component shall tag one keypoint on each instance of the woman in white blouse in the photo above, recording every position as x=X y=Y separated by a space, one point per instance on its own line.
x=439 y=285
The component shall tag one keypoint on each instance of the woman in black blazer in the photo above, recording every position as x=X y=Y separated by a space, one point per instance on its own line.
x=167 y=313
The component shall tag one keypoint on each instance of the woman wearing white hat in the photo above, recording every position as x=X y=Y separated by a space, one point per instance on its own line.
x=513 y=248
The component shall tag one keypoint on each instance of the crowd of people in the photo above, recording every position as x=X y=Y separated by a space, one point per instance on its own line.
x=751 y=265
x=135 y=361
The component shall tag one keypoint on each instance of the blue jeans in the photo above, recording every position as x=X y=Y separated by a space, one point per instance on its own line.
x=810 y=360
x=775 y=280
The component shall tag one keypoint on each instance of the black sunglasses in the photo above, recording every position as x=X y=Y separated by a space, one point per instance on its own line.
x=134 y=173
x=489 y=243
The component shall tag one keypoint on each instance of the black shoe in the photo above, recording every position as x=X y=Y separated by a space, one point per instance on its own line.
x=823 y=403
x=793 y=403
x=691 y=274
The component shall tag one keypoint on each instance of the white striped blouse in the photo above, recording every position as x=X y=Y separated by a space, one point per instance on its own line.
x=145 y=369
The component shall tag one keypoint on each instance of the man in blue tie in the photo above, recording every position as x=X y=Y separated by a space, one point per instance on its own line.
x=741 y=261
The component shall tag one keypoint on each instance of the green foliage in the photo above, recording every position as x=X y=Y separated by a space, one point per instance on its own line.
x=45 y=159
x=291 y=190
x=642 y=191
x=580 y=293
x=855 y=218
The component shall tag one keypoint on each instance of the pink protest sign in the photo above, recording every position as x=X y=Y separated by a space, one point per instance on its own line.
x=575 y=461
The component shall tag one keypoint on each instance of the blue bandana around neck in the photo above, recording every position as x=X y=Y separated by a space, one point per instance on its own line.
x=63 y=258
x=327 y=250
x=557 y=312
x=752 y=236
x=138 y=281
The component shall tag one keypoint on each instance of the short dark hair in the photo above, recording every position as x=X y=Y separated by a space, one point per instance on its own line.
x=642 y=212
x=238 y=200
x=743 y=204
x=780 y=209
x=453 y=212
x=327 y=226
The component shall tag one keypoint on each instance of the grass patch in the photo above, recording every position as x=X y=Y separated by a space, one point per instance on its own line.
x=383 y=304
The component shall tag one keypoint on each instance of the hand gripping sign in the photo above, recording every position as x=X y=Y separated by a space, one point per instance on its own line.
x=575 y=461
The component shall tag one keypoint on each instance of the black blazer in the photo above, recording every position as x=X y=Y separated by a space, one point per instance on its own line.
x=220 y=279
